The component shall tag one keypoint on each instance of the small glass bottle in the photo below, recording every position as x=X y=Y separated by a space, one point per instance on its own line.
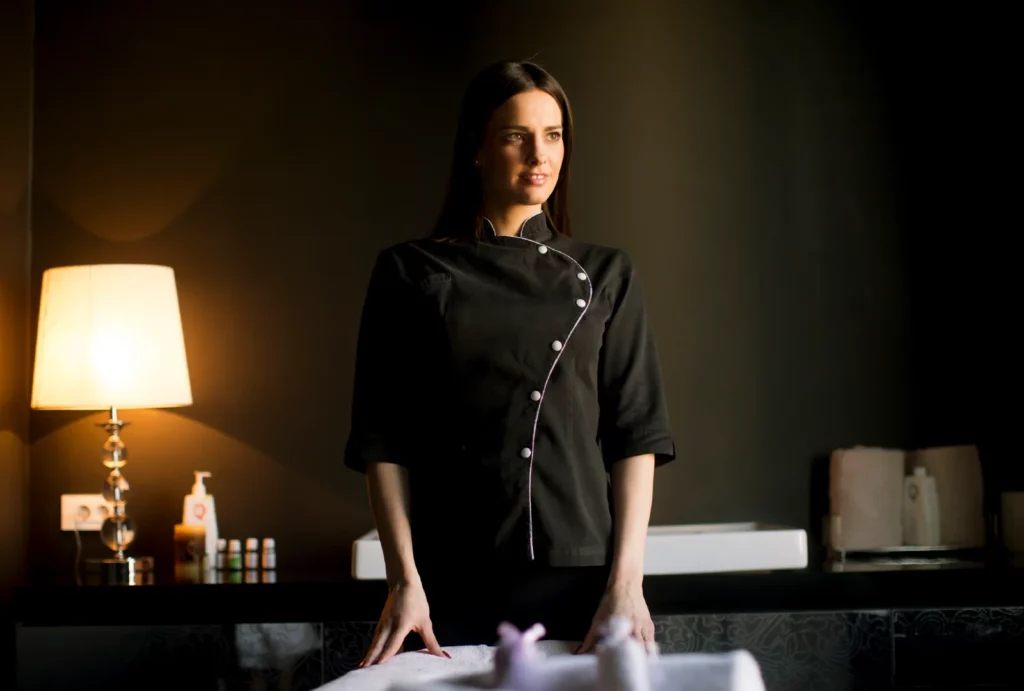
x=252 y=553
x=222 y=555
x=234 y=555
x=269 y=560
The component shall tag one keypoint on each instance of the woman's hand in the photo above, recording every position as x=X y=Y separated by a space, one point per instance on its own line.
x=632 y=493
x=405 y=611
x=625 y=600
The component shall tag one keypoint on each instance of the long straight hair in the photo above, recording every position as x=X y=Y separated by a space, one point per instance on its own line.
x=461 y=215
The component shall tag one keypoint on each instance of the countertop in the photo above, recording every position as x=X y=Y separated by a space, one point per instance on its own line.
x=326 y=597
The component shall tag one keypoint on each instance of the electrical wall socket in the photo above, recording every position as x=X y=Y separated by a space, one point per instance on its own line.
x=87 y=510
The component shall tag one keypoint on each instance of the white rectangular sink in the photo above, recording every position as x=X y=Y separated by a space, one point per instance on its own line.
x=723 y=548
x=670 y=549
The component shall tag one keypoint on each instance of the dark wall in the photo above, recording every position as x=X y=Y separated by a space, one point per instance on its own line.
x=15 y=171
x=945 y=78
x=743 y=155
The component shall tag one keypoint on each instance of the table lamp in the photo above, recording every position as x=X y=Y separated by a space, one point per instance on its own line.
x=110 y=338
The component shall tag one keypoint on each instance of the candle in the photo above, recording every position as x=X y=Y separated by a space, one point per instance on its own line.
x=189 y=545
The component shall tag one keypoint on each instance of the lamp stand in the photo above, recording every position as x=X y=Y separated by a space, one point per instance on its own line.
x=118 y=530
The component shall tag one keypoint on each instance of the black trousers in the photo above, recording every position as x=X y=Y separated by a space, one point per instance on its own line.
x=466 y=607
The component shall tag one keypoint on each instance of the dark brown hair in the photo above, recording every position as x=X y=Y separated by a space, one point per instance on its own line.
x=461 y=215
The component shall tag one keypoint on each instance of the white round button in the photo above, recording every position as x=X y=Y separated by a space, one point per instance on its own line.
x=556 y=346
x=526 y=453
x=542 y=249
x=582 y=276
x=581 y=303
x=535 y=396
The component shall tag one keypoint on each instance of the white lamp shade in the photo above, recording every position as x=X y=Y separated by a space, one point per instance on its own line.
x=110 y=336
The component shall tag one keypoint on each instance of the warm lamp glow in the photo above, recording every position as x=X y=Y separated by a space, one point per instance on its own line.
x=110 y=336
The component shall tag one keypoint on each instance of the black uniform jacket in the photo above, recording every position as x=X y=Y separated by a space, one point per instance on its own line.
x=507 y=375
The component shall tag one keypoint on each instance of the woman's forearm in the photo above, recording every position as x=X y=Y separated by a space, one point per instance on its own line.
x=388 y=487
x=632 y=494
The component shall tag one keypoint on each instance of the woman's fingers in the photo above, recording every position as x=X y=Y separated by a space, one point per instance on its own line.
x=433 y=647
x=380 y=636
x=645 y=634
x=589 y=641
x=643 y=631
x=394 y=643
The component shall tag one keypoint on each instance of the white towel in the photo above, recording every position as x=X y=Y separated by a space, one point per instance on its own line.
x=420 y=666
x=551 y=666
x=866 y=495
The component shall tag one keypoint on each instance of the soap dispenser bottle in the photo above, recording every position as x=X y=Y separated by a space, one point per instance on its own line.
x=199 y=509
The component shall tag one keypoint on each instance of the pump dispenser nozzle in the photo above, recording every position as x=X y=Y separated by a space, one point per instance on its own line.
x=199 y=488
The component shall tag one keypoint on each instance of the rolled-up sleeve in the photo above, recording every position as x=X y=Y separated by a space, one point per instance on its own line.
x=634 y=413
x=384 y=372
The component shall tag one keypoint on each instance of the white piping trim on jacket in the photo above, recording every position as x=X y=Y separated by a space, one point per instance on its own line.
x=536 y=417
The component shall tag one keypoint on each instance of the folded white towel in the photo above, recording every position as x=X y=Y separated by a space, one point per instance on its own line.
x=735 y=671
x=420 y=666
x=521 y=663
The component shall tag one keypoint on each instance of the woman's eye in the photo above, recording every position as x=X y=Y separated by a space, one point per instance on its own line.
x=554 y=136
x=514 y=137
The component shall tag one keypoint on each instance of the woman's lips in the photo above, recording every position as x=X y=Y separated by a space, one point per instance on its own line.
x=534 y=179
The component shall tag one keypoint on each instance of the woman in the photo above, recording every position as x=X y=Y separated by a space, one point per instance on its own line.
x=504 y=372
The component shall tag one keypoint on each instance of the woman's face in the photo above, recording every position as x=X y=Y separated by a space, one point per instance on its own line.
x=521 y=155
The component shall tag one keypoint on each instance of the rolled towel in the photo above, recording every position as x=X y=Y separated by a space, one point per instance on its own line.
x=866 y=494
x=960 y=486
x=622 y=662
x=515 y=660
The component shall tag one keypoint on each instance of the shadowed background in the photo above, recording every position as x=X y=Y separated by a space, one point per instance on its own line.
x=798 y=185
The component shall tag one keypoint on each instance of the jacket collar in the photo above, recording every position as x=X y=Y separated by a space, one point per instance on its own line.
x=534 y=228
